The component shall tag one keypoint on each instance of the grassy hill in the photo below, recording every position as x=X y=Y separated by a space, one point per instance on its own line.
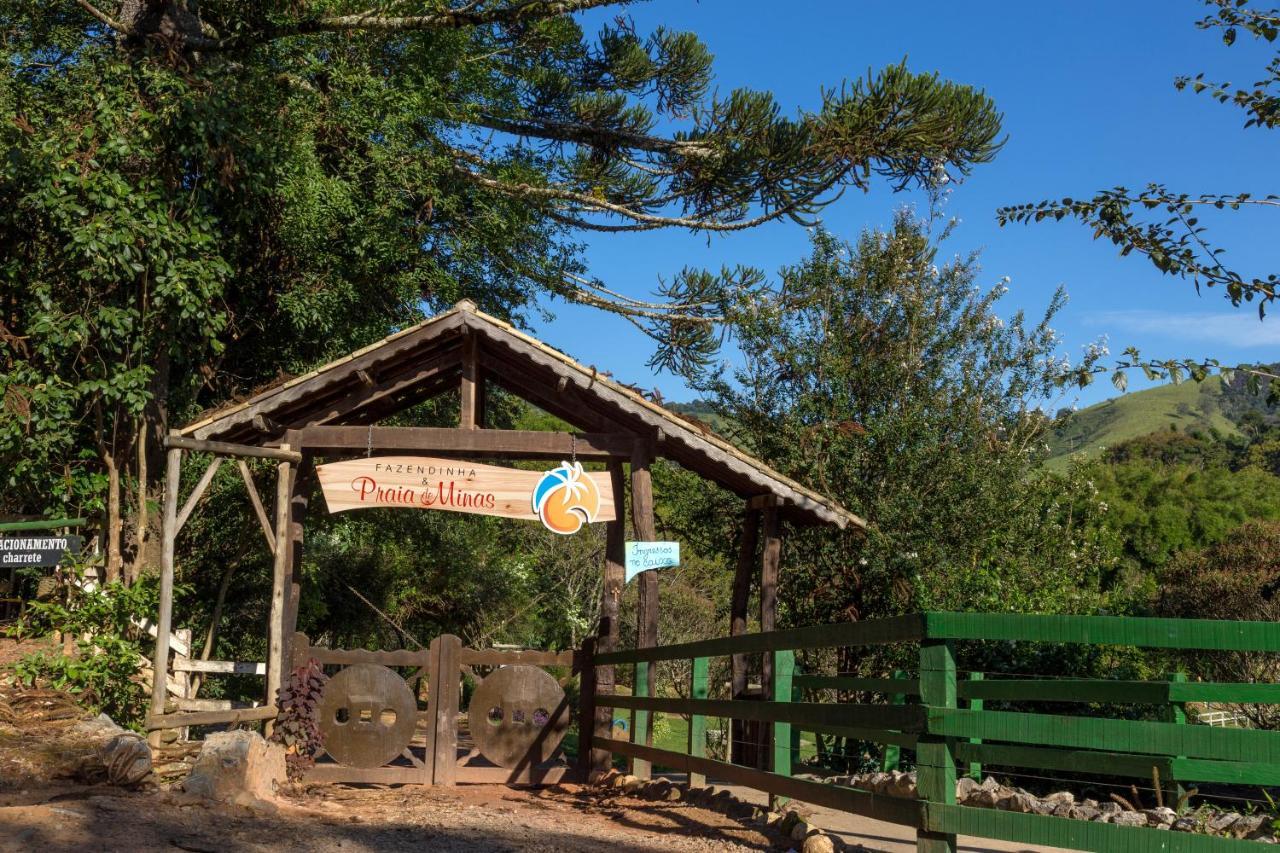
x=1189 y=406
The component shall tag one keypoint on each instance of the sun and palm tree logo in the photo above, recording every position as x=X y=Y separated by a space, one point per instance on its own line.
x=566 y=498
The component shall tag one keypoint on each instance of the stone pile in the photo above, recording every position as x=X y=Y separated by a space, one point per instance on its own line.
x=992 y=795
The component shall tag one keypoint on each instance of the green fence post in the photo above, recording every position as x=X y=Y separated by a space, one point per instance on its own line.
x=697 y=722
x=935 y=755
x=975 y=767
x=1174 y=712
x=784 y=667
x=892 y=758
x=640 y=721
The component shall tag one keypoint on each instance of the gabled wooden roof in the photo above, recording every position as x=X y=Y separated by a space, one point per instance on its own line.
x=425 y=360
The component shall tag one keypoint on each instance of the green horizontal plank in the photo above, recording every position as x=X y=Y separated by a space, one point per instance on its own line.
x=903 y=739
x=1079 y=761
x=888 y=686
x=899 y=629
x=1113 y=735
x=1071 y=834
x=804 y=714
x=1066 y=690
x=1206 y=691
x=877 y=806
x=1231 y=772
x=1107 y=630
x=43 y=524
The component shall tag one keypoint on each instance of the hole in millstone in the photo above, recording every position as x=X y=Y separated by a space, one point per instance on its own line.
x=540 y=717
x=341 y=716
x=495 y=716
x=366 y=716
x=517 y=716
x=387 y=717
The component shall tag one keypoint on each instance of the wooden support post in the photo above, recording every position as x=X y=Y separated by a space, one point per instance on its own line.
x=892 y=758
x=783 y=669
x=645 y=530
x=741 y=597
x=641 y=731
x=470 y=415
x=164 y=619
x=698 y=678
x=301 y=487
x=1174 y=712
x=444 y=710
x=610 y=595
x=587 y=690
x=276 y=660
x=770 y=560
x=935 y=755
x=975 y=767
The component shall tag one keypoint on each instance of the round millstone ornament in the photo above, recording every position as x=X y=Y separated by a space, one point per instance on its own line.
x=367 y=715
x=518 y=716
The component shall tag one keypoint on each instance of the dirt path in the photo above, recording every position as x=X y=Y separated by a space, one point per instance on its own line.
x=326 y=820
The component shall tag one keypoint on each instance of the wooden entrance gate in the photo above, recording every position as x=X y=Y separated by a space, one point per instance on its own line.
x=510 y=733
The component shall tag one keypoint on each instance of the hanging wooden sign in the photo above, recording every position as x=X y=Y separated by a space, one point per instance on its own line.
x=563 y=498
x=28 y=550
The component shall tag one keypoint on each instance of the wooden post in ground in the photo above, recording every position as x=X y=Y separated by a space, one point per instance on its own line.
x=610 y=594
x=301 y=486
x=783 y=669
x=770 y=561
x=587 y=691
x=444 y=710
x=975 y=767
x=892 y=757
x=738 y=605
x=1174 y=712
x=645 y=530
x=697 y=722
x=276 y=660
x=164 y=618
x=935 y=755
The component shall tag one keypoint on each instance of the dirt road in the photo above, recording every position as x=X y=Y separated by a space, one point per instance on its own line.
x=327 y=820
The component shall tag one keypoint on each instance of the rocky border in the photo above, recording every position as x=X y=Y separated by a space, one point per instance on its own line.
x=790 y=829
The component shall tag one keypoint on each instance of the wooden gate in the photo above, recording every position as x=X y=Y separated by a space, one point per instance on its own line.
x=518 y=714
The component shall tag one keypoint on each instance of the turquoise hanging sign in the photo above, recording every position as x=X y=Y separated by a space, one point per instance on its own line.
x=646 y=556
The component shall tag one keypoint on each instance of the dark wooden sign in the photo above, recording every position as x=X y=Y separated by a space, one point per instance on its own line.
x=28 y=550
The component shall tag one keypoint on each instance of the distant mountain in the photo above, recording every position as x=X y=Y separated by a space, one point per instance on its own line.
x=1204 y=406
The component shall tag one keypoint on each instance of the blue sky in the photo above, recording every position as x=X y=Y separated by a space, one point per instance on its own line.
x=1086 y=90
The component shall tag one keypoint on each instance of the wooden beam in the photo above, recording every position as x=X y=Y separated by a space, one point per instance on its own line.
x=196 y=494
x=402 y=382
x=222 y=448
x=266 y=425
x=279 y=579
x=470 y=417
x=537 y=387
x=429 y=337
x=209 y=718
x=493 y=442
x=164 y=618
x=256 y=500
x=221 y=667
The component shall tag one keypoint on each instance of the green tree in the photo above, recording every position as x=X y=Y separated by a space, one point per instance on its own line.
x=196 y=198
x=888 y=381
x=1236 y=578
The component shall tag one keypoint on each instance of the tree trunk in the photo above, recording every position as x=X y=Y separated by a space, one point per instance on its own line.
x=114 y=558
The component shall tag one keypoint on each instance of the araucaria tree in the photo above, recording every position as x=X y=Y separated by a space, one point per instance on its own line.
x=195 y=197
x=890 y=381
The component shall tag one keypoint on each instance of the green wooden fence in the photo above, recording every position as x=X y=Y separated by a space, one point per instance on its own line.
x=947 y=735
